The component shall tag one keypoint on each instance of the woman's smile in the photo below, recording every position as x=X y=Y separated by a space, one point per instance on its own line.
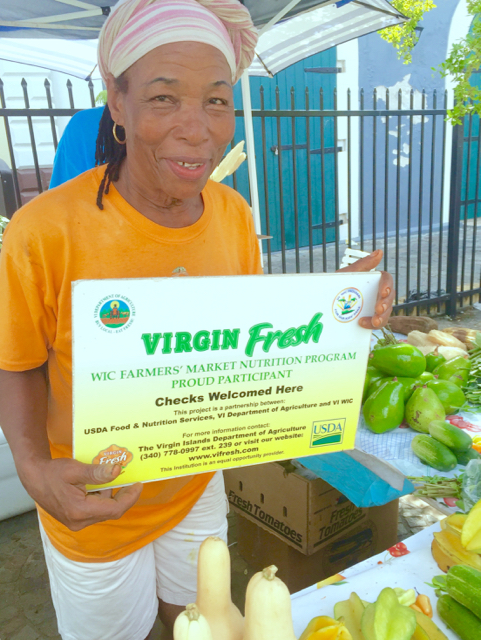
x=188 y=168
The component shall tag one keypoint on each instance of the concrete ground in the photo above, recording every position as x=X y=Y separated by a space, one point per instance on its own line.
x=417 y=264
x=26 y=611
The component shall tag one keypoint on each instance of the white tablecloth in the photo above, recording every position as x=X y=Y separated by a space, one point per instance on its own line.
x=409 y=571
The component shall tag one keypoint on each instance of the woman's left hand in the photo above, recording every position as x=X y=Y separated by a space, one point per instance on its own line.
x=386 y=293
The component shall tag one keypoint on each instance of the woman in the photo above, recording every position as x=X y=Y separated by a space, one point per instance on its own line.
x=169 y=67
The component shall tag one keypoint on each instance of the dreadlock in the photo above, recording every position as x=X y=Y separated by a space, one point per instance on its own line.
x=108 y=151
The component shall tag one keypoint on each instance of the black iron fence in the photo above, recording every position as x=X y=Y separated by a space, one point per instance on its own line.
x=383 y=172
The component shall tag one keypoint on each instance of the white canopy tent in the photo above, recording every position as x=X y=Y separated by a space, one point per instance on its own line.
x=290 y=30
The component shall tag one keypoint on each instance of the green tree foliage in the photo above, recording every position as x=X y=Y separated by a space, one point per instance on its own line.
x=463 y=60
x=403 y=36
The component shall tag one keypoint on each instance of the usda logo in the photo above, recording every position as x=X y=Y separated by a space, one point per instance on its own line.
x=326 y=432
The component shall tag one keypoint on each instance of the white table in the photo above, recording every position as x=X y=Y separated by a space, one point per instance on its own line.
x=368 y=578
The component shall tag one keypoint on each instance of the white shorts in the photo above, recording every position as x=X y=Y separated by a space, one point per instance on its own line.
x=118 y=600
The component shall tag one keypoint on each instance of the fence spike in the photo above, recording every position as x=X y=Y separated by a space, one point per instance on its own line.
x=23 y=83
x=400 y=99
x=387 y=98
x=374 y=98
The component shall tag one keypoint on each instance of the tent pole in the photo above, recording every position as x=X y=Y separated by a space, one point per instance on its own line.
x=279 y=16
x=251 y=155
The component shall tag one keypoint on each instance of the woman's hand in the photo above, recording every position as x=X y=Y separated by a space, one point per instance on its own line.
x=58 y=486
x=386 y=293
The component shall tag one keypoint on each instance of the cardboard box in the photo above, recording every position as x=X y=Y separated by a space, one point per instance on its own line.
x=310 y=515
x=261 y=549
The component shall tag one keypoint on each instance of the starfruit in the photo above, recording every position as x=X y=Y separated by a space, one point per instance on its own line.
x=405 y=597
x=453 y=550
x=325 y=628
x=386 y=619
x=350 y=612
x=454 y=522
x=427 y=628
x=471 y=531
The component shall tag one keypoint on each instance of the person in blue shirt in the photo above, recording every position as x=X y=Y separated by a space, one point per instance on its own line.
x=76 y=149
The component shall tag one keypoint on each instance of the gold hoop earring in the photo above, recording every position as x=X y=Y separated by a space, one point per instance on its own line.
x=114 y=131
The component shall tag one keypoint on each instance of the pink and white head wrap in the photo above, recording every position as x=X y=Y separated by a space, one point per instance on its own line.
x=136 y=27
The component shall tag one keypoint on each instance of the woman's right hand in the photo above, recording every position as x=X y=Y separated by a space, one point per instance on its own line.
x=59 y=487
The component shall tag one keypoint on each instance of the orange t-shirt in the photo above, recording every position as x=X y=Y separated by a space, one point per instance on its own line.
x=62 y=236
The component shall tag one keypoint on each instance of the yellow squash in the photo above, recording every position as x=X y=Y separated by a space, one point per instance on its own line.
x=268 y=608
x=214 y=591
x=191 y=625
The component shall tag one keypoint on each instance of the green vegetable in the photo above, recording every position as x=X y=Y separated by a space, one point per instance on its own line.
x=463 y=457
x=384 y=409
x=398 y=360
x=460 y=378
x=464 y=585
x=409 y=385
x=451 y=367
x=433 y=453
x=453 y=437
x=437 y=486
x=424 y=378
x=458 y=618
x=422 y=408
x=451 y=396
x=473 y=383
x=374 y=376
x=386 y=619
x=433 y=360
x=438 y=582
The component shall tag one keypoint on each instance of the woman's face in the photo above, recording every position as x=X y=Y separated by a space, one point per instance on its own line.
x=178 y=115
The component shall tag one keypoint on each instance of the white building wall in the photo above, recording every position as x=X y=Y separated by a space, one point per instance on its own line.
x=12 y=74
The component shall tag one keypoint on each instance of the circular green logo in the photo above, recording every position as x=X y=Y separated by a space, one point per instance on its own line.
x=114 y=314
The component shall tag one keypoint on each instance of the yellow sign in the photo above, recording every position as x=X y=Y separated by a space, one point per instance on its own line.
x=176 y=376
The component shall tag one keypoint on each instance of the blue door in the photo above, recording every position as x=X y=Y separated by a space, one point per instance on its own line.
x=282 y=152
x=471 y=183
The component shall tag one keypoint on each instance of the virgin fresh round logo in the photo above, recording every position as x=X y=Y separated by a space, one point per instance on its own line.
x=114 y=313
x=347 y=305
